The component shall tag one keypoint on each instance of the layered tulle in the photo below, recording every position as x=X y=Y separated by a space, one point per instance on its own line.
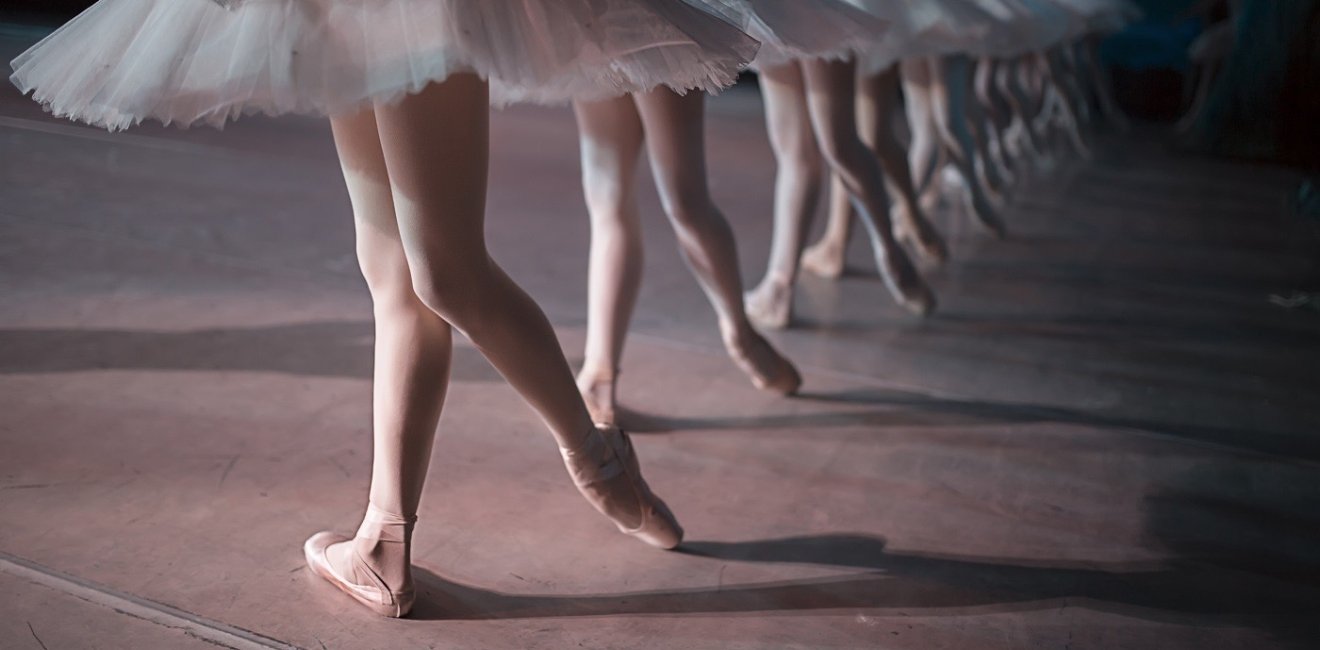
x=995 y=28
x=1029 y=26
x=200 y=61
x=795 y=30
x=926 y=28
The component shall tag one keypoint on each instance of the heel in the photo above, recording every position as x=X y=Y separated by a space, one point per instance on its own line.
x=357 y=578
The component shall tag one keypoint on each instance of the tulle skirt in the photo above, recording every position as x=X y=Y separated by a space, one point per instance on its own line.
x=926 y=28
x=796 y=30
x=1030 y=26
x=208 y=61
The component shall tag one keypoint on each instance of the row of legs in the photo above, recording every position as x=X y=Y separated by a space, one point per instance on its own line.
x=987 y=121
x=416 y=175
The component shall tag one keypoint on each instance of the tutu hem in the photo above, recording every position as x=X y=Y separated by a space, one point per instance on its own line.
x=187 y=62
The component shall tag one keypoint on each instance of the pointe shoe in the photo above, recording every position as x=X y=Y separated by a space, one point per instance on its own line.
x=985 y=214
x=904 y=283
x=605 y=470
x=921 y=235
x=765 y=366
x=357 y=578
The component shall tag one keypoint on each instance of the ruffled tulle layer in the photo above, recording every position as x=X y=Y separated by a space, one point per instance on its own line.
x=199 y=61
x=927 y=28
x=996 y=28
x=796 y=30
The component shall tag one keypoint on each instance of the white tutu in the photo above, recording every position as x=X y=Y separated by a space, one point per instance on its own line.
x=926 y=28
x=796 y=30
x=191 y=61
x=1024 y=26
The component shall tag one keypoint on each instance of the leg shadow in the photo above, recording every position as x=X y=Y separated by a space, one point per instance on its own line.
x=314 y=349
x=1181 y=592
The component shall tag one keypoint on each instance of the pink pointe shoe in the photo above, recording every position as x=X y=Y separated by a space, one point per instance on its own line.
x=604 y=467
x=338 y=560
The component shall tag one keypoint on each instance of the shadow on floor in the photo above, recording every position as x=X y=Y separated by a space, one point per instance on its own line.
x=906 y=409
x=343 y=349
x=1243 y=538
x=316 y=349
x=1185 y=592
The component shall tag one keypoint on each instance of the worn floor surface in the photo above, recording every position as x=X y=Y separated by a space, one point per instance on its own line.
x=1107 y=438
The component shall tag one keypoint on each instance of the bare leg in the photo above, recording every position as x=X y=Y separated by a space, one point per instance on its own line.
x=825 y=258
x=997 y=117
x=435 y=146
x=917 y=80
x=972 y=115
x=422 y=250
x=1056 y=77
x=830 y=88
x=877 y=99
x=950 y=98
x=1065 y=58
x=797 y=188
x=1015 y=81
x=611 y=136
x=675 y=140
x=877 y=102
x=413 y=350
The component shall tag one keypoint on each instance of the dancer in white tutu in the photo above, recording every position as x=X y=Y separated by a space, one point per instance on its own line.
x=811 y=116
x=918 y=29
x=670 y=127
x=959 y=109
x=407 y=85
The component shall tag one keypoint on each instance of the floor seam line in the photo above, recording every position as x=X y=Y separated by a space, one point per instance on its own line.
x=206 y=629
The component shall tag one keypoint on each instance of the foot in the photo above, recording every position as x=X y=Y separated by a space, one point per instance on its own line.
x=824 y=259
x=770 y=305
x=904 y=282
x=919 y=233
x=990 y=184
x=768 y=369
x=598 y=391
x=605 y=470
x=985 y=214
x=373 y=567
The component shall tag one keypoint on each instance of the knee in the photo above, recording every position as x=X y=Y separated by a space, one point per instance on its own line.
x=802 y=159
x=606 y=192
x=688 y=205
x=388 y=279
x=453 y=291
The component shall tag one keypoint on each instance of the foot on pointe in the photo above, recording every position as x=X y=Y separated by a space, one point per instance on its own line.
x=904 y=282
x=987 y=216
x=824 y=259
x=372 y=567
x=919 y=233
x=598 y=392
x=768 y=369
x=605 y=470
x=769 y=305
